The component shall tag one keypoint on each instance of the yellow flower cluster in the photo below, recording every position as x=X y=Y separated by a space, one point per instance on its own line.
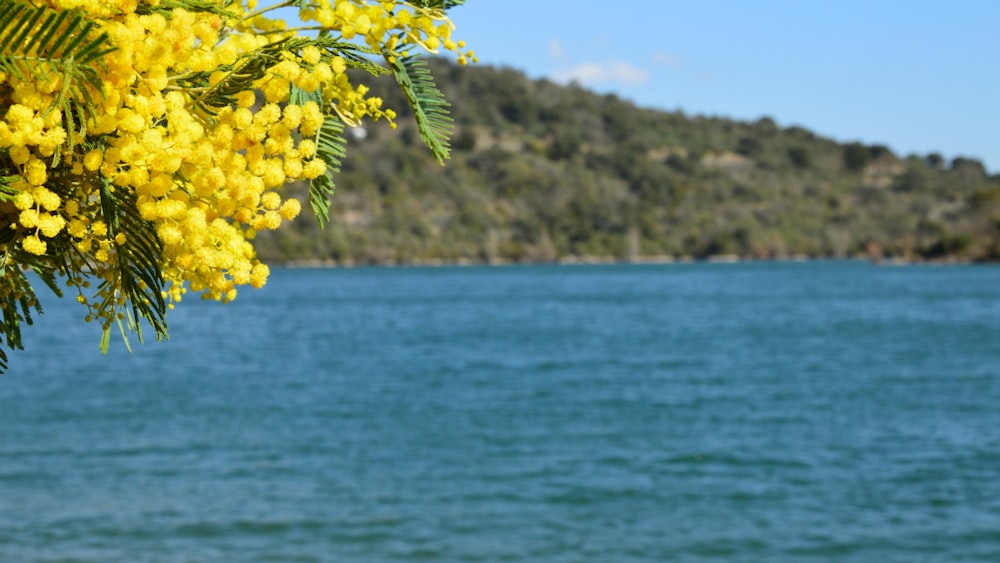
x=206 y=175
x=387 y=24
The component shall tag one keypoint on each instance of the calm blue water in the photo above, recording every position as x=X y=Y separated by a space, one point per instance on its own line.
x=762 y=412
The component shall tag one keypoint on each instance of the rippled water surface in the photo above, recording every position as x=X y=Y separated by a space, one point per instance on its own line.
x=767 y=412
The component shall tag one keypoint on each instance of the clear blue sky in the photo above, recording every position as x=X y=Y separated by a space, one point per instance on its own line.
x=919 y=76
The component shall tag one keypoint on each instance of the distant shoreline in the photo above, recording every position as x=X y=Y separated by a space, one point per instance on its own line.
x=605 y=260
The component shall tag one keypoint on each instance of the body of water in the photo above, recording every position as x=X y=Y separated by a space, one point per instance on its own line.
x=691 y=412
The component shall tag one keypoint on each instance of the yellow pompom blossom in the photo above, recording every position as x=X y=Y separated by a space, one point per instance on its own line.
x=183 y=137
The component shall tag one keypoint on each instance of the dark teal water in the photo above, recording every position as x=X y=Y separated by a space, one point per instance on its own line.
x=760 y=412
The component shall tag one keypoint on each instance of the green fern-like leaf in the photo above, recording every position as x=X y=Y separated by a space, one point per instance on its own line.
x=17 y=296
x=437 y=4
x=430 y=108
x=38 y=41
x=330 y=148
x=7 y=191
x=239 y=77
x=17 y=303
x=138 y=268
x=166 y=7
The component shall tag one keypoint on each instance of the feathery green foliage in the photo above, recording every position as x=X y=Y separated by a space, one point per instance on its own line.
x=430 y=109
x=437 y=4
x=330 y=148
x=139 y=281
x=17 y=301
x=167 y=6
x=17 y=296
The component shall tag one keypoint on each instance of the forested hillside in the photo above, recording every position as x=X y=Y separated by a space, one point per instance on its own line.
x=543 y=172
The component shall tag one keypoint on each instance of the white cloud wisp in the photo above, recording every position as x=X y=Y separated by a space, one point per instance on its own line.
x=612 y=72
